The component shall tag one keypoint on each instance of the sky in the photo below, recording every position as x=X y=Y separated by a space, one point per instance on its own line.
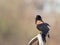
x=48 y=6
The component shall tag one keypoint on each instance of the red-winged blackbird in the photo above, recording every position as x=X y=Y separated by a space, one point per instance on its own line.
x=43 y=27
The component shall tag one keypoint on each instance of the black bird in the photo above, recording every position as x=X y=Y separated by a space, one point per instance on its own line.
x=42 y=26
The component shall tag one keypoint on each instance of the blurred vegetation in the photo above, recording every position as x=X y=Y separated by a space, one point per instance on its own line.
x=17 y=21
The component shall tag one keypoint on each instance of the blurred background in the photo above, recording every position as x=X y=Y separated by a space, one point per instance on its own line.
x=17 y=20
